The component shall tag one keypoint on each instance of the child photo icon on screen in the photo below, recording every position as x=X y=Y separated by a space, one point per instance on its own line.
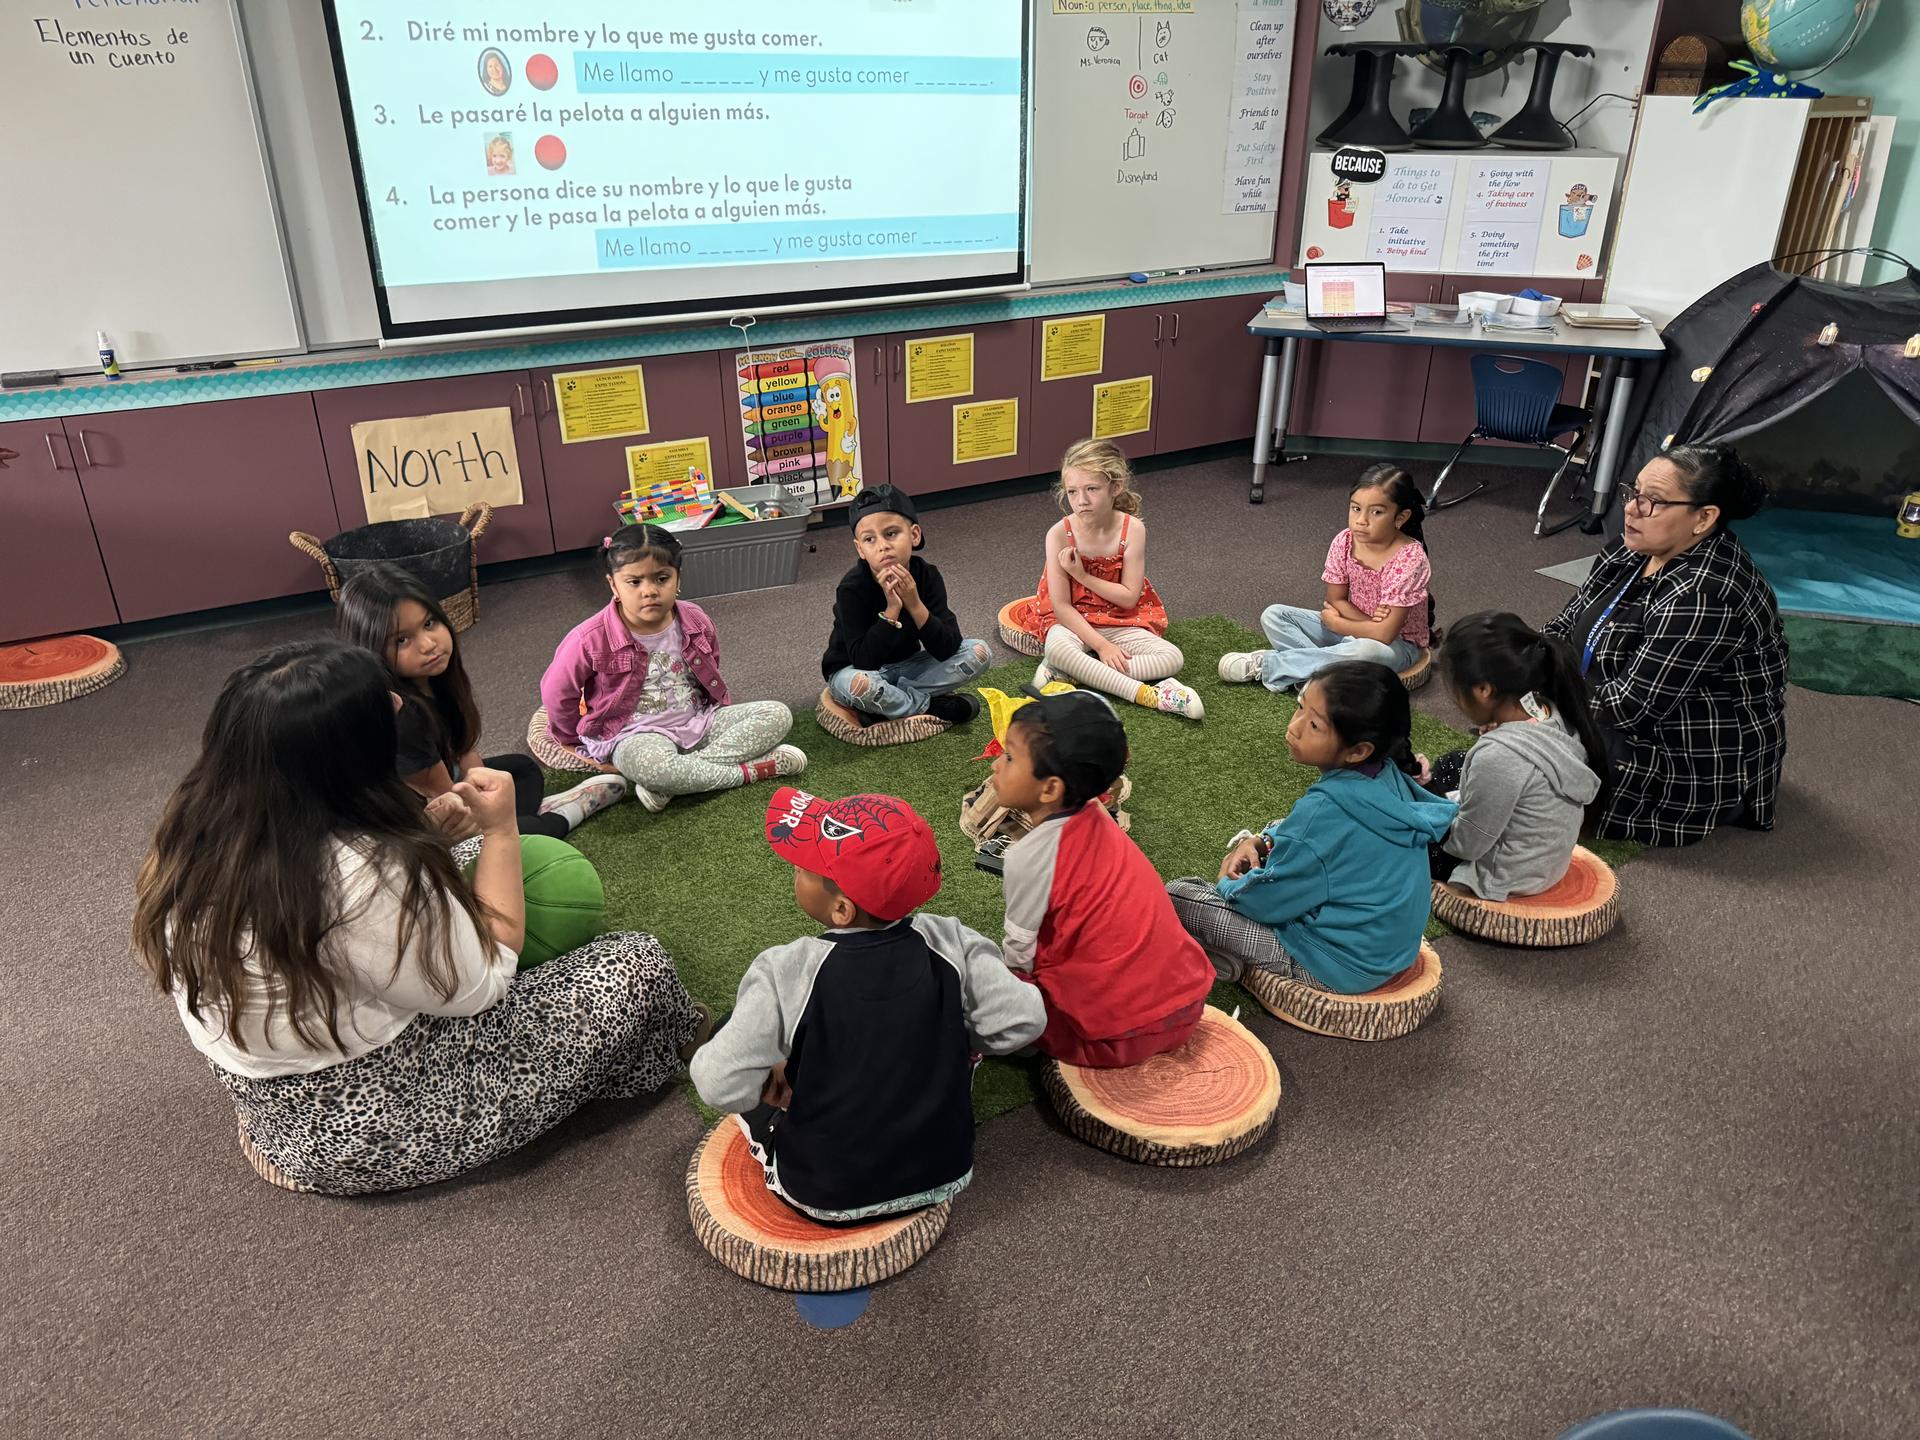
x=496 y=73
x=500 y=154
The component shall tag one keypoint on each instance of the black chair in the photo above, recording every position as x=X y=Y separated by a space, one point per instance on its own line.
x=1449 y=127
x=1518 y=400
x=1368 y=118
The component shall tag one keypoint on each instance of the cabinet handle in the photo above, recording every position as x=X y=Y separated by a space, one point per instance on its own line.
x=85 y=452
x=1176 y=328
x=878 y=352
x=896 y=361
x=540 y=393
x=519 y=401
x=52 y=454
x=1159 y=324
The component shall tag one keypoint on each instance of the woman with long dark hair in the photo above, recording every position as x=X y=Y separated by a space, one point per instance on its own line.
x=355 y=997
x=386 y=610
x=1679 y=636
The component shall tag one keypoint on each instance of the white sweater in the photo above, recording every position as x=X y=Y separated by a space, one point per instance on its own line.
x=379 y=988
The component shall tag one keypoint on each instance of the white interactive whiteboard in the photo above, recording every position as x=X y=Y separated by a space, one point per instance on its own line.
x=1158 y=134
x=139 y=200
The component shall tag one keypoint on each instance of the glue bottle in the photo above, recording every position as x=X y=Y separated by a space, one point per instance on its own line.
x=109 y=362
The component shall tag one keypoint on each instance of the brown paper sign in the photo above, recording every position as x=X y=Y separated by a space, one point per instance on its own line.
x=436 y=464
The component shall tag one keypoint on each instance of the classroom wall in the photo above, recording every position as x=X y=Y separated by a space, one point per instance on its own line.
x=1886 y=65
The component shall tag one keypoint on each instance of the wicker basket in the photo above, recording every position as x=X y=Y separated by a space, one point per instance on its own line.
x=441 y=551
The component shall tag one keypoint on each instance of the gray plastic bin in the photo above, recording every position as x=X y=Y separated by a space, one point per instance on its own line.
x=752 y=556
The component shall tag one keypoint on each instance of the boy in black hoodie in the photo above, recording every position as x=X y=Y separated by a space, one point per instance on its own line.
x=896 y=649
x=847 y=1060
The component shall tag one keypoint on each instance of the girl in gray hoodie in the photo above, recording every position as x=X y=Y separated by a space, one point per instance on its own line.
x=1539 y=766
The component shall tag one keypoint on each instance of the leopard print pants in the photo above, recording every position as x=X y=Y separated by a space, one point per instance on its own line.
x=454 y=1091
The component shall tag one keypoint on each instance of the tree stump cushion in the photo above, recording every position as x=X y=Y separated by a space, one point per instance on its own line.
x=1197 y=1105
x=550 y=752
x=1584 y=906
x=755 y=1234
x=1397 y=1008
x=1418 y=673
x=833 y=719
x=1013 y=633
x=61 y=667
x=263 y=1167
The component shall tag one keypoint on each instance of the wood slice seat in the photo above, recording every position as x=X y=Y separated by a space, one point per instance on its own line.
x=755 y=1234
x=1418 y=673
x=265 y=1168
x=1198 y=1105
x=1584 y=906
x=550 y=752
x=839 y=722
x=1397 y=1008
x=61 y=667
x=1012 y=635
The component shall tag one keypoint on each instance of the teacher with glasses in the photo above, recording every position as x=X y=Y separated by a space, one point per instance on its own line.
x=1680 y=639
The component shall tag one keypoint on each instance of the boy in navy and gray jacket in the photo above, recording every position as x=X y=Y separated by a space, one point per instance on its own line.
x=848 y=1059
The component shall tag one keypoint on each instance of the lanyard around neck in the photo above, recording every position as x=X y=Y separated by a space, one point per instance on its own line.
x=1593 y=634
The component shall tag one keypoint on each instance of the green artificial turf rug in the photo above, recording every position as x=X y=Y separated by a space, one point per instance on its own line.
x=701 y=877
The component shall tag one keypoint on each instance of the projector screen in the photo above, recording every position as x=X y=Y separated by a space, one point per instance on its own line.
x=529 y=163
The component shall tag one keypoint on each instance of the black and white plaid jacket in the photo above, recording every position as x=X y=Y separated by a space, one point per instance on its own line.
x=1691 y=676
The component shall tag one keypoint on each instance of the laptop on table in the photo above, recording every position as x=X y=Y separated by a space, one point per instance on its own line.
x=1347 y=297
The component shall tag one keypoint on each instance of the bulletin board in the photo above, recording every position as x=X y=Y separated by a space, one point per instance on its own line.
x=1481 y=212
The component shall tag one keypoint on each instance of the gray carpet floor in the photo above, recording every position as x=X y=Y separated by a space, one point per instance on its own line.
x=1679 y=1166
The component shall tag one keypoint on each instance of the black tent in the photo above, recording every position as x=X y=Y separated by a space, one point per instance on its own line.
x=1764 y=344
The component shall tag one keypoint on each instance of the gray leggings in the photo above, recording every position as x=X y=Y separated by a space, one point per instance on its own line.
x=1231 y=940
x=740 y=735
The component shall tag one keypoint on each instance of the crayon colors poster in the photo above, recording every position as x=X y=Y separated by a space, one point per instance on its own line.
x=800 y=414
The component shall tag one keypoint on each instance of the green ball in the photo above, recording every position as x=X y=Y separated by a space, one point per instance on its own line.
x=565 y=903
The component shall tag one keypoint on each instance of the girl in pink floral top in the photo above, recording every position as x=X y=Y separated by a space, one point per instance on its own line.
x=1377 y=607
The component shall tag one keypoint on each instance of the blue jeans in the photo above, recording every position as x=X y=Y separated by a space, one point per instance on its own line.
x=1303 y=646
x=903 y=688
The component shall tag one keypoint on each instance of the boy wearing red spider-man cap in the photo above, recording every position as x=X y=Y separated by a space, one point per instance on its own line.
x=848 y=1057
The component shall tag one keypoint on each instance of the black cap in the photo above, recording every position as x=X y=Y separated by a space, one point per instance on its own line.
x=1089 y=742
x=889 y=498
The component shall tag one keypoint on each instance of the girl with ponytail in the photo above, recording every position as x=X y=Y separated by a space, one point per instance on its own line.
x=1539 y=767
x=1337 y=894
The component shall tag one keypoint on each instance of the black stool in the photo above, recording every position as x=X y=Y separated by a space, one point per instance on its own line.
x=1533 y=126
x=1368 y=119
x=1449 y=127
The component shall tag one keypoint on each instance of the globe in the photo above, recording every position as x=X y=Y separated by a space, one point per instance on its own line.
x=1803 y=34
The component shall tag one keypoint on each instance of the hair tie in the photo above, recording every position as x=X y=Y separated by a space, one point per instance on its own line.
x=607 y=543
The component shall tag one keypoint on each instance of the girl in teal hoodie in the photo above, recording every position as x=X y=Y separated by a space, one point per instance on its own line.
x=1336 y=894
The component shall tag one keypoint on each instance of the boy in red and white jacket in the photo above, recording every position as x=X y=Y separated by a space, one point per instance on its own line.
x=1088 y=919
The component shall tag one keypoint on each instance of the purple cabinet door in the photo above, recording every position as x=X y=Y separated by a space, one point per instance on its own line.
x=685 y=401
x=51 y=576
x=517 y=530
x=193 y=504
x=1364 y=390
x=1063 y=409
x=869 y=412
x=1209 y=374
x=1449 y=413
x=920 y=436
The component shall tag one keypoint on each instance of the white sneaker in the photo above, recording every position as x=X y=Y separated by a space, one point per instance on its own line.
x=1240 y=666
x=1042 y=676
x=651 y=800
x=586 y=799
x=782 y=761
x=1178 y=699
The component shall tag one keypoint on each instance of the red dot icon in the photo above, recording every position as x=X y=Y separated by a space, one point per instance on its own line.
x=542 y=73
x=1137 y=86
x=550 y=151
x=1314 y=252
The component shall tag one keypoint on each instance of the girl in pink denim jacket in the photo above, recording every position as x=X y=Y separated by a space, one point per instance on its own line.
x=638 y=686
